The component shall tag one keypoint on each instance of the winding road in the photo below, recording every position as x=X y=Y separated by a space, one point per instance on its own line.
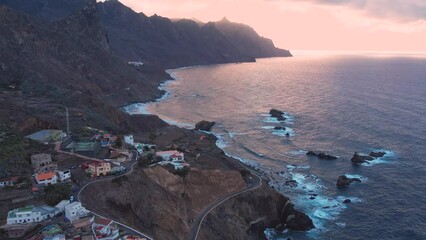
x=254 y=183
x=128 y=229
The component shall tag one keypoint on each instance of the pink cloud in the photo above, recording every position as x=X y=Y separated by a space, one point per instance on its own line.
x=377 y=25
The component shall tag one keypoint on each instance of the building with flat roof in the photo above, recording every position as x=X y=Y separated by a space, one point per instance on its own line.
x=30 y=214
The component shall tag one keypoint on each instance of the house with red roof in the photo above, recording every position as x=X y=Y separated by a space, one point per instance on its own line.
x=46 y=178
x=105 y=229
x=10 y=181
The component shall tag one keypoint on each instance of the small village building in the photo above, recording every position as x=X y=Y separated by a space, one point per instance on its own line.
x=99 y=168
x=75 y=211
x=64 y=175
x=7 y=182
x=119 y=156
x=128 y=139
x=118 y=169
x=177 y=157
x=105 y=229
x=62 y=204
x=40 y=160
x=30 y=214
x=48 y=178
x=166 y=155
x=107 y=140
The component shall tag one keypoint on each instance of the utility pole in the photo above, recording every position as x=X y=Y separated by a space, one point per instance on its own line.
x=68 y=122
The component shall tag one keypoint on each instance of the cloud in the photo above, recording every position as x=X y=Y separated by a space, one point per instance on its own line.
x=398 y=10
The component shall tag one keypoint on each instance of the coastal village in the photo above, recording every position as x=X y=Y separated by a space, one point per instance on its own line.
x=48 y=206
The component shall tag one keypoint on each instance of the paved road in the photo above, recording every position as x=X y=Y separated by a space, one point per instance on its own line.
x=254 y=183
x=129 y=170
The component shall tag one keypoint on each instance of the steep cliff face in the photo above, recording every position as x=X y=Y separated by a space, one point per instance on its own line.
x=159 y=202
x=246 y=216
x=164 y=205
x=158 y=40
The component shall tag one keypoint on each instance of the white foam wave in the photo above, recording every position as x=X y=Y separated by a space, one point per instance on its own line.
x=386 y=159
x=362 y=178
x=283 y=133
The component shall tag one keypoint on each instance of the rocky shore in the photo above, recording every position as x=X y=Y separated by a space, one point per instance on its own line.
x=164 y=205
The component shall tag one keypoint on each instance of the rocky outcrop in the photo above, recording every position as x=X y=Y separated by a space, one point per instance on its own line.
x=377 y=154
x=358 y=159
x=279 y=115
x=204 y=125
x=247 y=215
x=344 y=181
x=321 y=155
x=282 y=128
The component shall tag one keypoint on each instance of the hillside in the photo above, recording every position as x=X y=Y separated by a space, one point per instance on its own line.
x=161 y=41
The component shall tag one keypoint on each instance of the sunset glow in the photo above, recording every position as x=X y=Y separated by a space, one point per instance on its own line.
x=355 y=25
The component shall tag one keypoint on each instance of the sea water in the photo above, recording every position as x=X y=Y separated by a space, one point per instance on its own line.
x=337 y=104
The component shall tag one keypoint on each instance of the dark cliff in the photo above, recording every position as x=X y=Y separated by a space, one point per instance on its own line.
x=157 y=40
x=46 y=66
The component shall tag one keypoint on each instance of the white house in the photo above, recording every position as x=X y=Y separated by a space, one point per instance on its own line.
x=46 y=178
x=166 y=155
x=62 y=204
x=8 y=181
x=31 y=214
x=177 y=157
x=128 y=139
x=64 y=175
x=75 y=211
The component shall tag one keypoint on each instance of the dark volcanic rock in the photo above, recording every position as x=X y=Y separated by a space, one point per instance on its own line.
x=311 y=153
x=346 y=201
x=358 y=159
x=299 y=222
x=279 y=128
x=344 y=181
x=277 y=114
x=321 y=155
x=204 y=125
x=377 y=154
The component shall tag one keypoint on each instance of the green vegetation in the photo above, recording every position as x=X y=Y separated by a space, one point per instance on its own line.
x=182 y=172
x=12 y=155
x=119 y=142
x=145 y=160
x=56 y=193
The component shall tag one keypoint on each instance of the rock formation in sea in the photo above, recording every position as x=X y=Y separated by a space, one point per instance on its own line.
x=279 y=115
x=321 y=155
x=344 y=181
x=204 y=125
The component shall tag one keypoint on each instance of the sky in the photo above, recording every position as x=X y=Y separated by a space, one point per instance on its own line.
x=344 y=25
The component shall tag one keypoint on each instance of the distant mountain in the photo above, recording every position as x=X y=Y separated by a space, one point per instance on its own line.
x=45 y=66
x=57 y=53
x=160 y=41
x=183 y=42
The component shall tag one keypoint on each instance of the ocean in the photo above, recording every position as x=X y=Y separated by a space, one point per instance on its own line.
x=334 y=103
